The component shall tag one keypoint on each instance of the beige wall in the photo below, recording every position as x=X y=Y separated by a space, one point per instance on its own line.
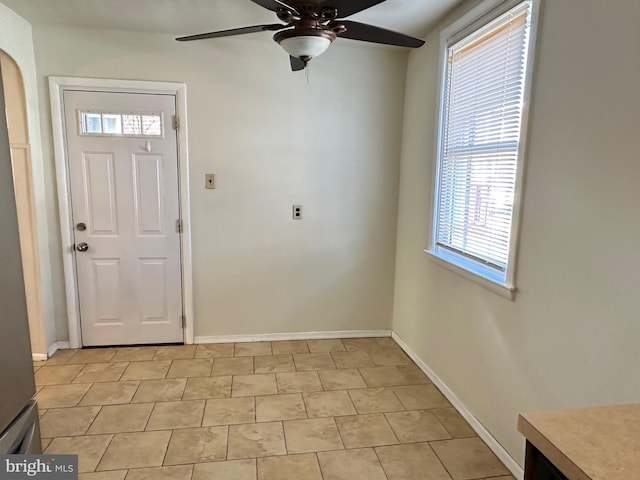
x=273 y=140
x=570 y=338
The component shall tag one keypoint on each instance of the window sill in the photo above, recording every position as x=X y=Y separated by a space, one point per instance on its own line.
x=506 y=291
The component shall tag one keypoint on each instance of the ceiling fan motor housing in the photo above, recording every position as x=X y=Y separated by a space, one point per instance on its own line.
x=312 y=33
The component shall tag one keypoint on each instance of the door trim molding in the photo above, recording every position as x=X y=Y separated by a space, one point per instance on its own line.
x=57 y=87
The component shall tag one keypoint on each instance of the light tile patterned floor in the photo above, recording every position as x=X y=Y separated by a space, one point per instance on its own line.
x=306 y=410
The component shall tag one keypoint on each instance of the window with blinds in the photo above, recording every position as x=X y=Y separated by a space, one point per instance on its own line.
x=479 y=153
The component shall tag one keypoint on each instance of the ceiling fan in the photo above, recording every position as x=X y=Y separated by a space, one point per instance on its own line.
x=311 y=25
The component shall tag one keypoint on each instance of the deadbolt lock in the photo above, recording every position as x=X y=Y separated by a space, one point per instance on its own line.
x=81 y=227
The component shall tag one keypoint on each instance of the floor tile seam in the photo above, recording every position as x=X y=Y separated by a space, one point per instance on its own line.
x=322 y=473
x=344 y=445
x=90 y=362
x=385 y=420
x=482 y=442
x=96 y=363
x=98 y=434
x=118 y=432
x=95 y=469
x=65 y=406
x=193 y=376
x=399 y=400
x=419 y=410
x=70 y=380
x=91 y=423
x=253 y=355
x=335 y=391
x=146 y=424
x=438 y=457
x=138 y=382
x=255 y=411
x=255 y=400
x=226 y=446
x=284 y=438
x=190 y=357
x=192 y=465
x=375 y=452
x=166 y=450
x=319 y=466
x=359 y=412
x=256 y=457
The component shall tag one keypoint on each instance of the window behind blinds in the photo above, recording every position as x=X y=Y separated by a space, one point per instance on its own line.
x=480 y=141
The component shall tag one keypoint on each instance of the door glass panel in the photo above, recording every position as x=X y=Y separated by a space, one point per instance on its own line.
x=152 y=125
x=121 y=124
x=112 y=124
x=132 y=124
x=91 y=123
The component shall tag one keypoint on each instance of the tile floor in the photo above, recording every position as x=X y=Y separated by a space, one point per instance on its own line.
x=306 y=410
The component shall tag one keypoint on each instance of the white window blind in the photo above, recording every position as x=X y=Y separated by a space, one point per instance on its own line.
x=480 y=141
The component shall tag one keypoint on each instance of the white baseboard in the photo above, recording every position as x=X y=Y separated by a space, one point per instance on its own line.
x=483 y=433
x=274 y=337
x=55 y=347
x=38 y=357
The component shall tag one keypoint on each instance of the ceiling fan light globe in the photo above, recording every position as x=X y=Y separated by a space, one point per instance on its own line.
x=305 y=46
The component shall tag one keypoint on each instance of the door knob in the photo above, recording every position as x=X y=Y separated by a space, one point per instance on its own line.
x=82 y=247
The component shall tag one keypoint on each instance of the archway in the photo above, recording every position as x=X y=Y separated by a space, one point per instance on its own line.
x=16 y=111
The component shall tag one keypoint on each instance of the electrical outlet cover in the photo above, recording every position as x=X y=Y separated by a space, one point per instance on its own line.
x=209 y=181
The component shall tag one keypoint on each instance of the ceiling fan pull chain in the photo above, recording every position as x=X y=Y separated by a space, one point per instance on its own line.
x=306 y=72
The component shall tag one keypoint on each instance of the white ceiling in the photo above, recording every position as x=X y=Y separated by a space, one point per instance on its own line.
x=178 y=17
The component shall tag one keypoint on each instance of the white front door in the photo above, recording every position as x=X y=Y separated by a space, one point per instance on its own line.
x=123 y=171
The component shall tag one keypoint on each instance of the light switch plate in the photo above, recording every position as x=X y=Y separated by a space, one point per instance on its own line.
x=209 y=181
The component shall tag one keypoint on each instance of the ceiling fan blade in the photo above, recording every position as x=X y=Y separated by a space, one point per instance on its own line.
x=275 y=5
x=297 y=64
x=233 y=31
x=349 y=7
x=369 y=33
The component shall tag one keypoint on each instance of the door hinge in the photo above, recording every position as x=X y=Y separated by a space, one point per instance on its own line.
x=184 y=322
x=179 y=226
x=175 y=122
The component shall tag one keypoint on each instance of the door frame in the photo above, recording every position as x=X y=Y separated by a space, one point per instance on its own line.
x=57 y=87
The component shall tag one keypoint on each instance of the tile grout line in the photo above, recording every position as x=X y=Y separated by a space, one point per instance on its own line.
x=344 y=445
x=226 y=452
x=319 y=465
x=440 y=460
x=166 y=450
x=104 y=453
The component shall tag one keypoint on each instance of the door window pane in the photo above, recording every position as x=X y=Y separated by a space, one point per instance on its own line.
x=121 y=124
x=112 y=124
x=91 y=123
x=151 y=125
x=132 y=124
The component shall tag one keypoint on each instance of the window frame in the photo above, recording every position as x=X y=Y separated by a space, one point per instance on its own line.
x=470 y=269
